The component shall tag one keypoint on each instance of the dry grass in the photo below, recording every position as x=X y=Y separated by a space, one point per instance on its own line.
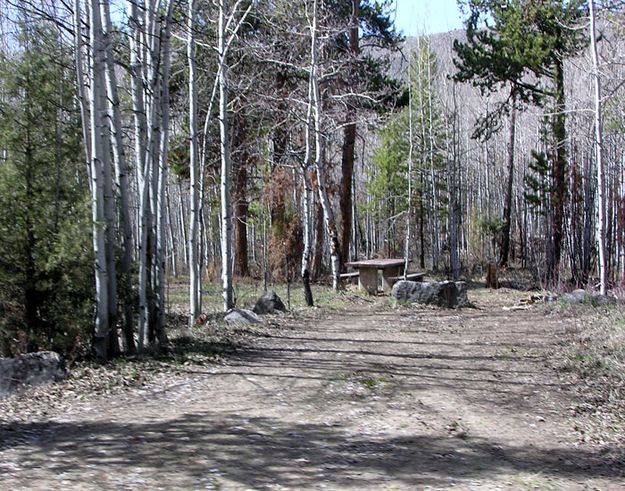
x=595 y=357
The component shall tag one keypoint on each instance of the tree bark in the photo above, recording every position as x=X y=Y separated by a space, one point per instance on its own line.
x=507 y=206
x=558 y=176
x=162 y=202
x=96 y=67
x=137 y=61
x=349 y=142
x=193 y=250
x=226 y=178
x=241 y=208
x=454 y=202
x=307 y=199
x=328 y=213
x=601 y=226
x=121 y=174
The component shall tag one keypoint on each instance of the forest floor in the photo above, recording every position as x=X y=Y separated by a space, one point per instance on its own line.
x=365 y=395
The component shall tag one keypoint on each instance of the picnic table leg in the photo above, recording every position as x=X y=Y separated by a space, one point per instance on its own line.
x=387 y=283
x=368 y=280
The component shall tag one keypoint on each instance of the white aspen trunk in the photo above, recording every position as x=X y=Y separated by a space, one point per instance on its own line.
x=307 y=202
x=226 y=178
x=409 y=172
x=137 y=61
x=162 y=202
x=193 y=250
x=598 y=150
x=96 y=65
x=425 y=150
x=172 y=235
x=153 y=98
x=308 y=226
x=110 y=215
x=454 y=205
x=121 y=177
x=433 y=180
x=110 y=212
x=83 y=100
x=223 y=49
x=183 y=225
x=328 y=213
x=143 y=255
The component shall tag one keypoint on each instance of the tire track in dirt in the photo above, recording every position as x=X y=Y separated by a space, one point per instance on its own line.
x=401 y=399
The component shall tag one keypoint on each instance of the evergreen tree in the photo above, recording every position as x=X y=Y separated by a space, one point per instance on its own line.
x=44 y=241
x=522 y=44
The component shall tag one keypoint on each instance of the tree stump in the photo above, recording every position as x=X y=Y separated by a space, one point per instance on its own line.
x=491 y=276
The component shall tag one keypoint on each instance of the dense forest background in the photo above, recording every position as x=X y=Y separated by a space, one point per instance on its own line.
x=206 y=140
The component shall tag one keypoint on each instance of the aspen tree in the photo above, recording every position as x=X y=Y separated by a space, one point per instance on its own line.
x=598 y=143
x=194 y=272
x=319 y=165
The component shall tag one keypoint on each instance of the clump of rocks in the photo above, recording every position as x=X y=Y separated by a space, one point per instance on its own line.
x=31 y=369
x=449 y=294
x=268 y=303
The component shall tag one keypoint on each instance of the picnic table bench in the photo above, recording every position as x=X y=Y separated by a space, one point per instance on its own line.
x=353 y=276
x=409 y=276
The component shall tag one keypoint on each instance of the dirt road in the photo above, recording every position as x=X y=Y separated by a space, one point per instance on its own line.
x=366 y=399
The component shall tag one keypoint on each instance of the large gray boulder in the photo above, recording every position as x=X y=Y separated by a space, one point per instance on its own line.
x=444 y=294
x=31 y=369
x=241 y=316
x=463 y=297
x=582 y=296
x=269 y=303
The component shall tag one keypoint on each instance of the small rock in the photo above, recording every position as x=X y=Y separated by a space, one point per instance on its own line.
x=241 y=316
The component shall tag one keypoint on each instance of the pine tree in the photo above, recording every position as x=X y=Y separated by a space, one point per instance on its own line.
x=44 y=222
x=521 y=45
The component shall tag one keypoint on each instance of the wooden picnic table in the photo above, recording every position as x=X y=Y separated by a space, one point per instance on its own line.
x=368 y=273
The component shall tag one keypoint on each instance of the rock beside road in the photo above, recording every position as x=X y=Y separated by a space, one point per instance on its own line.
x=447 y=294
x=269 y=303
x=582 y=296
x=31 y=369
x=241 y=316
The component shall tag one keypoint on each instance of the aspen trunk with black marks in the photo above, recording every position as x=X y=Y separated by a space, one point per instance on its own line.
x=435 y=200
x=98 y=212
x=308 y=225
x=408 y=238
x=453 y=192
x=307 y=201
x=162 y=182
x=328 y=213
x=601 y=225
x=194 y=219
x=81 y=80
x=226 y=166
x=122 y=191
x=110 y=217
x=136 y=22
